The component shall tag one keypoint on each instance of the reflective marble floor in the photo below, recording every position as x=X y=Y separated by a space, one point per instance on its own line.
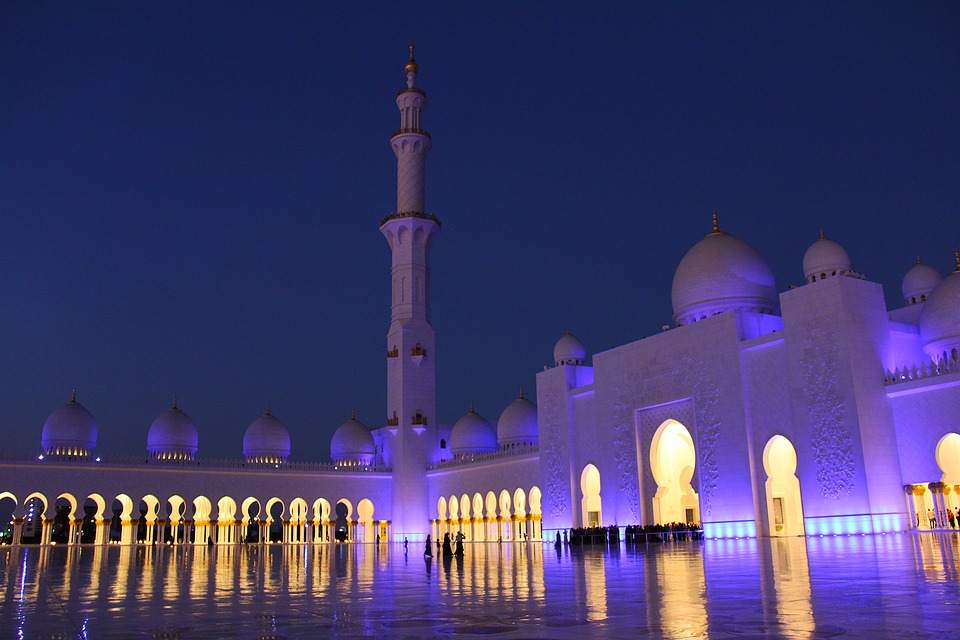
x=892 y=586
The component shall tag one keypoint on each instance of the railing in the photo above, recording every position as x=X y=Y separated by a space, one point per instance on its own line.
x=500 y=454
x=411 y=130
x=412 y=90
x=203 y=463
x=930 y=369
x=411 y=214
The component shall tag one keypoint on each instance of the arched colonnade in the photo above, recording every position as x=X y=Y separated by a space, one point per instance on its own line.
x=491 y=517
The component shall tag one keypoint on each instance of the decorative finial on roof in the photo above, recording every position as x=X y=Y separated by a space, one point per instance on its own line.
x=471 y=408
x=73 y=397
x=521 y=393
x=353 y=414
x=821 y=234
x=918 y=259
x=956 y=256
x=268 y=410
x=175 y=402
x=412 y=66
x=716 y=227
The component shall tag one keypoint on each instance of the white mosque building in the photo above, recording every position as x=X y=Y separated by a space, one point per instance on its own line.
x=816 y=410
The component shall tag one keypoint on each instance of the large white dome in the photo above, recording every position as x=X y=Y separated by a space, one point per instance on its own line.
x=569 y=350
x=472 y=434
x=266 y=440
x=721 y=273
x=518 y=423
x=352 y=444
x=173 y=435
x=919 y=283
x=940 y=319
x=69 y=430
x=825 y=258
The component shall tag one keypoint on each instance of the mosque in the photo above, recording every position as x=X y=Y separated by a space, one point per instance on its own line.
x=813 y=411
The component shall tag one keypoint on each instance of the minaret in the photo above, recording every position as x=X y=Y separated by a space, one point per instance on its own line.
x=411 y=377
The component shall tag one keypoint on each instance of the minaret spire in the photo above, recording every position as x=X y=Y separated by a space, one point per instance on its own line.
x=411 y=341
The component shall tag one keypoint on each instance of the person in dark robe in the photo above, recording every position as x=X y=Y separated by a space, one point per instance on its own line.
x=428 y=551
x=458 y=551
x=447 y=550
x=557 y=543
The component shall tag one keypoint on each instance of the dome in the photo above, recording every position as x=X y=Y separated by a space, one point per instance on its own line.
x=825 y=258
x=173 y=435
x=472 y=434
x=518 y=423
x=919 y=282
x=940 y=319
x=352 y=443
x=721 y=273
x=266 y=440
x=569 y=350
x=69 y=430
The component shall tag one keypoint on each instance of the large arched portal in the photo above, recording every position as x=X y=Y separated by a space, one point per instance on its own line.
x=590 y=504
x=784 y=507
x=673 y=459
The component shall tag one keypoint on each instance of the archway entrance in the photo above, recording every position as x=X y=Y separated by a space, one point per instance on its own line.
x=591 y=511
x=784 y=506
x=673 y=459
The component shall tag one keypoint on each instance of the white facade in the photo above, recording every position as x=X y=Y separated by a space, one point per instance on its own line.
x=809 y=412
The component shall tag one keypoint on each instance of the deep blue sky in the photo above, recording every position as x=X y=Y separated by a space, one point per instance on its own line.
x=190 y=193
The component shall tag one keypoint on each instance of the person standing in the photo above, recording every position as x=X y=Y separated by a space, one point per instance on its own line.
x=427 y=550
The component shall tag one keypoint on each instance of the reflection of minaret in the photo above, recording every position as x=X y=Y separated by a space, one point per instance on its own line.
x=411 y=378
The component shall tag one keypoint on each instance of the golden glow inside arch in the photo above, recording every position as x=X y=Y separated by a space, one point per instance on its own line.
x=591 y=512
x=948 y=458
x=784 y=504
x=673 y=460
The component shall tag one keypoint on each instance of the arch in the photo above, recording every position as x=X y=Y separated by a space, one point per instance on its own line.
x=274 y=511
x=673 y=460
x=100 y=506
x=365 y=518
x=520 y=502
x=591 y=505
x=321 y=509
x=479 y=533
x=465 y=505
x=490 y=504
x=7 y=532
x=784 y=504
x=71 y=501
x=226 y=509
x=948 y=458
x=442 y=508
x=297 y=528
x=348 y=505
x=453 y=504
x=536 y=501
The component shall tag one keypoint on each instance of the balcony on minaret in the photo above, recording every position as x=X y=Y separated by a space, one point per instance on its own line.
x=419 y=419
x=411 y=214
x=418 y=353
x=394 y=421
x=393 y=353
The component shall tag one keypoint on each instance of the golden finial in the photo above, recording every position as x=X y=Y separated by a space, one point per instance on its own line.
x=471 y=408
x=353 y=414
x=73 y=397
x=175 y=402
x=716 y=226
x=918 y=259
x=268 y=410
x=821 y=234
x=521 y=393
x=412 y=66
x=956 y=256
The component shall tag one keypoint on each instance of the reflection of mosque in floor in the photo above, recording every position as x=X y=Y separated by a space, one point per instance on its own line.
x=817 y=410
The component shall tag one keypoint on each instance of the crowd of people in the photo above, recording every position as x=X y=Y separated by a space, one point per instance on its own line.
x=633 y=534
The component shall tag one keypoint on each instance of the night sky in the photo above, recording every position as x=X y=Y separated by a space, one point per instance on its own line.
x=190 y=193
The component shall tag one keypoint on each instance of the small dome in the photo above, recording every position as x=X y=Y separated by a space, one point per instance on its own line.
x=472 y=434
x=518 y=423
x=69 y=430
x=266 y=440
x=940 y=319
x=569 y=350
x=352 y=443
x=173 y=436
x=721 y=273
x=919 y=282
x=825 y=258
